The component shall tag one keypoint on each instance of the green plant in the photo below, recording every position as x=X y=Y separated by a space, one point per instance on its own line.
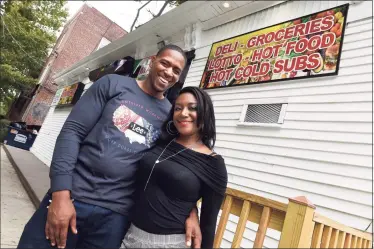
x=4 y=123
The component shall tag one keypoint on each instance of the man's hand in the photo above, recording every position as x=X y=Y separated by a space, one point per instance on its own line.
x=193 y=230
x=61 y=213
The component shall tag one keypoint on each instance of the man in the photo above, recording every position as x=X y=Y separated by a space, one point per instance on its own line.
x=95 y=158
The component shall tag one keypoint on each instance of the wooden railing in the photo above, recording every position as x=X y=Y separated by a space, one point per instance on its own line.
x=299 y=224
x=331 y=234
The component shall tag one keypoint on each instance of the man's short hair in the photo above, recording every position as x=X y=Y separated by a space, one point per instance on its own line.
x=172 y=47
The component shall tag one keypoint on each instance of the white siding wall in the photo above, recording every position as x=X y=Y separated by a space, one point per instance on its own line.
x=45 y=141
x=44 y=144
x=323 y=150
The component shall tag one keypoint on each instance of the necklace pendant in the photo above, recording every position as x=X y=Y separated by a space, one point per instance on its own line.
x=157 y=161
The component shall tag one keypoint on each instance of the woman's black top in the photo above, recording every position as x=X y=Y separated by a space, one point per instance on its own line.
x=175 y=186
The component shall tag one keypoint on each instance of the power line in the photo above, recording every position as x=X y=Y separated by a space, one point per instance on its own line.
x=15 y=40
x=20 y=29
x=53 y=71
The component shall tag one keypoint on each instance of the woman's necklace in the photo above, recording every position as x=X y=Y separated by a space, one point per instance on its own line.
x=158 y=159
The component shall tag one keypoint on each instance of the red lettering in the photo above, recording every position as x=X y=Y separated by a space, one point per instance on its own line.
x=254 y=73
x=228 y=72
x=211 y=64
x=247 y=71
x=269 y=37
x=327 y=23
x=225 y=49
x=279 y=35
x=276 y=49
x=299 y=29
x=289 y=47
x=229 y=60
x=314 y=43
x=251 y=42
x=278 y=66
x=289 y=32
x=256 y=56
x=234 y=48
x=314 y=61
x=315 y=26
x=221 y=75
x=260 y=40
x=267 y=53
x=301 y=62
x=301 y=45
x=213 y=77
x=264 y=68
x=225 y=60
x=238 y=73
x=238 y=58
x=327 y=40
x=217 y=63
x=288 y=67
x=307 y=28
x=218 y=51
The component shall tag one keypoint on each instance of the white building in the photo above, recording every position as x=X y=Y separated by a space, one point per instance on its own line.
x=323 y=148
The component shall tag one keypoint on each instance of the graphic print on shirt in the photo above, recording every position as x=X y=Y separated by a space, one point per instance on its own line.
x=136 y=128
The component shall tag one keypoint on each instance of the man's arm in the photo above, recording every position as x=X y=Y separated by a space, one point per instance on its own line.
x=193 y=232
x=81 y=120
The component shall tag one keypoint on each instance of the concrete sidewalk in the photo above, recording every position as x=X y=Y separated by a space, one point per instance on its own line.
x=16 y=206
x=33 y=173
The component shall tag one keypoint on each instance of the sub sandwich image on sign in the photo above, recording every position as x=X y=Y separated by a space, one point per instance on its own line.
x=308 y=46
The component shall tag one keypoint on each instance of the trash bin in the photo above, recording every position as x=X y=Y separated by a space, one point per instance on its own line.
x=19 y=138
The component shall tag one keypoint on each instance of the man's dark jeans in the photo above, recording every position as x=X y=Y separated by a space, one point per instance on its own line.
x=97 y=228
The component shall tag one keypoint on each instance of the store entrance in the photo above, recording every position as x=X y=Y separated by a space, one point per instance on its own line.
x=139 y=69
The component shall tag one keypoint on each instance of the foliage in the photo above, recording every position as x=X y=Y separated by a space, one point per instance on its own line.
x=3 y=128
x=28 y=31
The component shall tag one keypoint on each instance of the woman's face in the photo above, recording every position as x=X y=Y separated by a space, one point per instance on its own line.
x=185 y=115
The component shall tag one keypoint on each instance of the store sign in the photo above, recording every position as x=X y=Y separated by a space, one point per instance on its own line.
x=71 y=94
x=57 y=96
x=309 y=46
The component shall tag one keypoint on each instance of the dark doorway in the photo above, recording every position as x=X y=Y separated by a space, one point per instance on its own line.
x=173 y=92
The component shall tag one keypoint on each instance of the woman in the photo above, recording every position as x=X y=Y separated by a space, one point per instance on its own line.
x=174 y=175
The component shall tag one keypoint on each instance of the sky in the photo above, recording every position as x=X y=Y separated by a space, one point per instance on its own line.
x=121 y=12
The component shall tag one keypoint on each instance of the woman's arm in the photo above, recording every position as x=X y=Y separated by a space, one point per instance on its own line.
x=211 y=205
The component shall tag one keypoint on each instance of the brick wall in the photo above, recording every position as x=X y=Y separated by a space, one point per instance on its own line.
x=79 y=39
x=40 y=107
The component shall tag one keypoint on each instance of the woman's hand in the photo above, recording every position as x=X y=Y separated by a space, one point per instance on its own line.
x=193 y=232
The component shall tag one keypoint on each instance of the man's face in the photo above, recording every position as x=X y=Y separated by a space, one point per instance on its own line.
x=166 y=69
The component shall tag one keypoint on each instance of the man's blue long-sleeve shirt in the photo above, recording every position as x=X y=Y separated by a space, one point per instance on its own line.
x=107 y=132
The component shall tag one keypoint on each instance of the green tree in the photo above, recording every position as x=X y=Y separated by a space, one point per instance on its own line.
x=28 y=31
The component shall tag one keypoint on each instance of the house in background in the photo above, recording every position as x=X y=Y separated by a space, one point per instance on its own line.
x=88 y=31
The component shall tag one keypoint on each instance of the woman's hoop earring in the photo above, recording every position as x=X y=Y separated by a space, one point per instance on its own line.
x=170 y=130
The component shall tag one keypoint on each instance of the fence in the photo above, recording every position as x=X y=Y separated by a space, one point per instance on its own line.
x=299 y=224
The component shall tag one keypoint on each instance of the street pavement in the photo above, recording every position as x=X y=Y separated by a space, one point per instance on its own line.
x=16 y=206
